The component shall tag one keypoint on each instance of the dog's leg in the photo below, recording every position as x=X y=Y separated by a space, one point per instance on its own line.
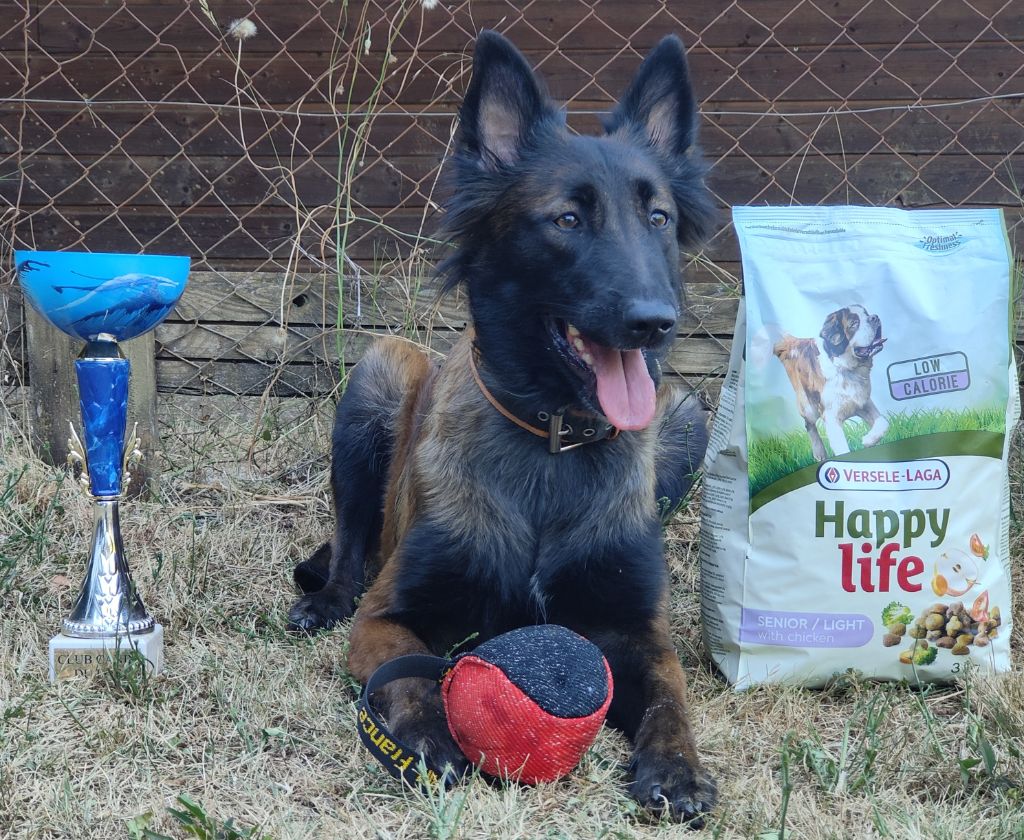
x=362 y=442
x=836 y=435
x=650 y=706
x=312 y=574
x=817 y=445
x=412 y=707
x=682 y=440
x=879 y=425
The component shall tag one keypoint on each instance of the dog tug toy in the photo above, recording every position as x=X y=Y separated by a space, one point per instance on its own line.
x=525 y=705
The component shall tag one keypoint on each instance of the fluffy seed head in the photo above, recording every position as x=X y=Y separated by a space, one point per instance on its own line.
x=242 y=29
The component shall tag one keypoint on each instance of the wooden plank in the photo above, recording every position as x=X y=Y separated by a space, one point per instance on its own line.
x=68 y=27
x=285 y=346
x=55 y=404
x=272 y=297
x=213 y=237
x=233 y=181
x=842 y=71
x=983 y=128
x=987 y=128
x=137 y=130
x=246 y=378
x=215 y=378
x=386 y=183
x=212 y=234
x=254 y=298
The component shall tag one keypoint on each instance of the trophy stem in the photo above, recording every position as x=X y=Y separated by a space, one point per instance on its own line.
x=108 y=603
x=109 y=619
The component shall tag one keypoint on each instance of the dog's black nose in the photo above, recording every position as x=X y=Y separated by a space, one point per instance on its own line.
x=648 y=321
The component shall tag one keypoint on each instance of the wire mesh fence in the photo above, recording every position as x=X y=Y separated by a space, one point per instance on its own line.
x=295 y=151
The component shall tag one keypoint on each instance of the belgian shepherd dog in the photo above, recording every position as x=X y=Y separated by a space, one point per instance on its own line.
x=517 y=483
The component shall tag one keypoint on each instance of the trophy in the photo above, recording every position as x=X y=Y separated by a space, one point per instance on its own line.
x=102 y=299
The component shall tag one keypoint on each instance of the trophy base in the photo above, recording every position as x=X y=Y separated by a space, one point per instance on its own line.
x=71 y=657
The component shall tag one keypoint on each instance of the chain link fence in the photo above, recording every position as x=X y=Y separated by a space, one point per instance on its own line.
x=294 y=150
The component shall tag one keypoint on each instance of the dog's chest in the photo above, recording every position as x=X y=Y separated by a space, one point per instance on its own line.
x=538 y=527
x=844 y=386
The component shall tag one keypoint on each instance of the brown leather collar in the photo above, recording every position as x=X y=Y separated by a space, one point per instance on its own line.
x=561 y=436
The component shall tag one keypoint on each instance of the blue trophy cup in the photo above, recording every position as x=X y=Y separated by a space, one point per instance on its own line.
x=103 y=299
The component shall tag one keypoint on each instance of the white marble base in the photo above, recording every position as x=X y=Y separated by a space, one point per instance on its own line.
x=70 y=657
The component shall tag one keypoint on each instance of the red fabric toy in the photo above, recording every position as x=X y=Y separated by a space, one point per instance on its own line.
x=525 y=705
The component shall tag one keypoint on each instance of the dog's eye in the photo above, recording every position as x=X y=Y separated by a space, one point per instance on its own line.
x=567 y=221
x=658 y=218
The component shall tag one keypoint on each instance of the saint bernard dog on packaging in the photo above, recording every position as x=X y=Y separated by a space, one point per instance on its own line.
x=831 y=376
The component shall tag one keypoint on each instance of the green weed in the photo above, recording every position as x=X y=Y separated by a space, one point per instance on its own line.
x=851 y=766
x=785 y=756
x=445 y=806
x=197 y=823
x=126 y=672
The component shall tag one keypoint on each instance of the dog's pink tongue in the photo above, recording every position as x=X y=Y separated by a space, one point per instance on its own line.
x=624 y=387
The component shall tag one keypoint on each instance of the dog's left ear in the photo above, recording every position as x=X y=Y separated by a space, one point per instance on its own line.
x=660 y=100
x=659 y=110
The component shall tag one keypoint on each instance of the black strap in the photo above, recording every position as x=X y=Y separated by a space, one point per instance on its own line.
x=400 y=760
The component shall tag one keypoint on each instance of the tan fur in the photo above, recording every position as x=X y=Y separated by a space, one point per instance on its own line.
x=799 y=356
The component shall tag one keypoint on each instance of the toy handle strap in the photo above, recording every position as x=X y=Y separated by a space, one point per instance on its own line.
x=399 y=759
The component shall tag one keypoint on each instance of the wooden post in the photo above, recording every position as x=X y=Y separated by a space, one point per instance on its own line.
x=51 y=371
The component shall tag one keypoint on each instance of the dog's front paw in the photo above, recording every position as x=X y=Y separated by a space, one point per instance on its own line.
x=434 y=742
x=319 y=610
x=875 y=435
x=667 y=783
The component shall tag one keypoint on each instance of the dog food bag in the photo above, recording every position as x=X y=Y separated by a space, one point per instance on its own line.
x=856 y=498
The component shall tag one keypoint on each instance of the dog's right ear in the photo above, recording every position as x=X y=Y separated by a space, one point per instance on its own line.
x=503 y=104
x=833 y=333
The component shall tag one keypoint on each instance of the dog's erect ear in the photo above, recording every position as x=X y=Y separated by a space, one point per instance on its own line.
x=660 y=100
x=503 y=103
x=660 y=111
x=834 y=332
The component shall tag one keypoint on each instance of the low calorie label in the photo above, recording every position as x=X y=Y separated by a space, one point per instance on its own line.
x=929 y=375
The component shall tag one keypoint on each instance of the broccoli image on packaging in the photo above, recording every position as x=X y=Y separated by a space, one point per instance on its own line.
x=896 y=613
x=925 y=655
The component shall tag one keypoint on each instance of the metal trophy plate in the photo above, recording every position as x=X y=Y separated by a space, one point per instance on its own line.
x=103 y=299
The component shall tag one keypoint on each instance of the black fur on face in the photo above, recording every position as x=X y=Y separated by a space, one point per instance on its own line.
x=553 y=229
x=837 y=331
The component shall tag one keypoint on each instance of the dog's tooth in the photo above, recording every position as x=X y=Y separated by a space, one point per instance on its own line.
x=573 y=332
x=588 y=359
x=579 y=345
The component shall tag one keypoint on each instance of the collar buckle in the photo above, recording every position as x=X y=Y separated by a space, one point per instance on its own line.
x=556 y=430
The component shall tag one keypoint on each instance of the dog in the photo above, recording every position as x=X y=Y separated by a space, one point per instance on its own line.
x=518 y=482
x=831 y=376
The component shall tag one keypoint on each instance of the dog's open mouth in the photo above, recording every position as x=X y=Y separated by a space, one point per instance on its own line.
x=625 y=391
x=869 y=350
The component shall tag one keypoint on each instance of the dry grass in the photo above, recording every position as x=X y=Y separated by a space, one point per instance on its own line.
x=256 y=726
